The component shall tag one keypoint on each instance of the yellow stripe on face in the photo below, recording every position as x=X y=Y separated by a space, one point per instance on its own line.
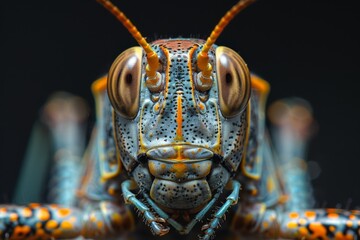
x=189 y=64
x=179 y=120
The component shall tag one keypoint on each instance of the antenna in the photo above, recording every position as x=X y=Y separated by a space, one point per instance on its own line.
x=152 y=57
x=202 y=57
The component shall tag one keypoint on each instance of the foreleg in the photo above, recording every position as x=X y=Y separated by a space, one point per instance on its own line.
x=156 y=223
x=309 y=224
x=37 y=221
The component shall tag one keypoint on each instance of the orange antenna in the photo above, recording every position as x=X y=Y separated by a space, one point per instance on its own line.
x=202 y=57
x=152 y=57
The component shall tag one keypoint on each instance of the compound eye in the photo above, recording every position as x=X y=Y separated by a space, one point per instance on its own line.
x=233 y=80
x=124 y=82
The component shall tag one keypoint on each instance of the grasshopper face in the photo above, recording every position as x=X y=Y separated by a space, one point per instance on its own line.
x=179 y=137
x=180 y=122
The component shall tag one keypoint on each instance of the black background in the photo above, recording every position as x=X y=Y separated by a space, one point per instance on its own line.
x=303 y=48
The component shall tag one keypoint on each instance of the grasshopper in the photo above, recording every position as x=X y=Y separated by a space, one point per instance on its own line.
x=181 y=139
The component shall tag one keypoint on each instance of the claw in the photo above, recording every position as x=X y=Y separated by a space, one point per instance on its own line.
x=160 y=220
x=159 y=229
x=204 y=227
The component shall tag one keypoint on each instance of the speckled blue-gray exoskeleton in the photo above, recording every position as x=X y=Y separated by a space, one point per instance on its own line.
x=180 y=124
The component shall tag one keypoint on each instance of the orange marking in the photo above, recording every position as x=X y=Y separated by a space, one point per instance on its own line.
x=112 y=191
x=99 y=85
x=331 y=210
x=253 y=191
x=293 y=215
x=356 y=212
x=51 y=224
x=20 y=231
x=40 y=233
x=66 y=225
x=352 y=217
x=333 y=215
x=54 y=206
x=38 y=225
x=179 y=119
x=292 y=224
x=152 y=168
x=248 y=218
x=265 y=224
x=201 y=106
x=157 y=107
x=43 y=214
x=332 y=228
x=163 y=166
x=2 y=210
x=303 y=231
x=179 y=169
x=283 y=199
x=57 y=233
x=100 y=224
x=341 y=236
x=319 y=231
x=349 y=224
x=34 y=205
x=260 y=84
x=116 y=218
x=26 y=212
x=63 y=212
x=13 y=217
x=310 y=214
